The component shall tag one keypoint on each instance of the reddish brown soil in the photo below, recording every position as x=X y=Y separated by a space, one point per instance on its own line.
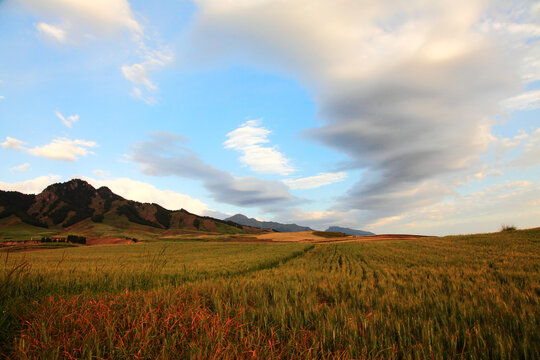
x=108 y=241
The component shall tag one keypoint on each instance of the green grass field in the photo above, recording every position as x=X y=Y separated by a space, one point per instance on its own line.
x=472 y=297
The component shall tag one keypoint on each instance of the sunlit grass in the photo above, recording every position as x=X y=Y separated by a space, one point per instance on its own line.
x=471 y=297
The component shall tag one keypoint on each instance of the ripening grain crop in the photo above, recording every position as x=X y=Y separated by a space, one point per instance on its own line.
x=472 y=297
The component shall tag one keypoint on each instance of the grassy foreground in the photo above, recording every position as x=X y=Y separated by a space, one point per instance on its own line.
x=471 y=297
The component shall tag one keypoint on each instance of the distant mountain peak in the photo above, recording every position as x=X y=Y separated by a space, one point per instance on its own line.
x=349 y=231
x=244 y=220
x=71 y=184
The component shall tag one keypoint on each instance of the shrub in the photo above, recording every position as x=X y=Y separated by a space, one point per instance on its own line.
x=98 y=218
x=508 y=228
x=75 y=239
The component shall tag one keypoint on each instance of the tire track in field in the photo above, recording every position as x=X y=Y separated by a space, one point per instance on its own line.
x=268 y=265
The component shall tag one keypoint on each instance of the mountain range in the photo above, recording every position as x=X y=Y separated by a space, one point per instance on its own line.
x=76 y=205
x=244 y=220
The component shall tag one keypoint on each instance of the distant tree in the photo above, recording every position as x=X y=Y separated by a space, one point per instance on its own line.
x=76 y=239
x=98 y=218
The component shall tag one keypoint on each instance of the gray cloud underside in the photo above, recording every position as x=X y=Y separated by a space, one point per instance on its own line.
x=165 y=155
x=412 y=128
x=407 y=93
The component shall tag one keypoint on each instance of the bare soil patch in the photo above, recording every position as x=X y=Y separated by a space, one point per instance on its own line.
x=108 y=241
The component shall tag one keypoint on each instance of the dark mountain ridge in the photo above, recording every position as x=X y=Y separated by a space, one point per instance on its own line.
x=349 y=231
x=244 y=220
x=62 y=205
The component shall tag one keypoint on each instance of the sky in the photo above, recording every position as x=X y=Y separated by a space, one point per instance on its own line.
x=388 y=116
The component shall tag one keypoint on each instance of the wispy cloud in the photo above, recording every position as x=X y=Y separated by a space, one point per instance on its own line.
x=13 y=144
x=20 y=168
x=101 y=173
x=248 y=140
x=52 y=32
x=70 y=119
x=77 y=21
x=138 y=74
x=529 y=100
x=316 y=181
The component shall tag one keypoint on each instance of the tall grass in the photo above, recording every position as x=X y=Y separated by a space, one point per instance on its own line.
x=471 y=297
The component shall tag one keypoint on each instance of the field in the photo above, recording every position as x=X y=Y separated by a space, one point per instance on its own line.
x=472 y=297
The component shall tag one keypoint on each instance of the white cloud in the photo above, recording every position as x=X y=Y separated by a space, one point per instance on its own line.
x=247 y=139
x=13 y=144
x=529 y=100
x=70 y=119
x=145 y=192
x=101 y=173
x=2 y=97
x=20 y=168
x=33 y=186
x=63 y=149
x=531 y=152
x=59 y=149
x=52 y=32
x=78 y=19
x=138 y=74
x=316 y=181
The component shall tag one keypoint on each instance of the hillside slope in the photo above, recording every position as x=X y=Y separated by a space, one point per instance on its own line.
x=77 y=206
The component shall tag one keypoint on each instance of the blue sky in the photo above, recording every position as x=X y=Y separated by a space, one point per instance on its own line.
x=413 y=118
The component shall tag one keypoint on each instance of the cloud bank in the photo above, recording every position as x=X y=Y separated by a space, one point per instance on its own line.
x=406 y=90
x=32 y=186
